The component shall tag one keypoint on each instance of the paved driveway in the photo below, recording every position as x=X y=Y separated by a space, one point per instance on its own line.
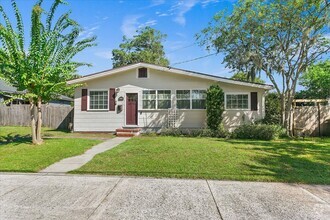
x=44 y=196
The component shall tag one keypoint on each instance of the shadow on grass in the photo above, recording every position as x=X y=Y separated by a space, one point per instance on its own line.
x=15 y=138
x=298 y=161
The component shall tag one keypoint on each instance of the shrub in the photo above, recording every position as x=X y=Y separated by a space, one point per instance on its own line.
x=214 y=106
x=272 y=109
x=258 y=132
x=175 y=132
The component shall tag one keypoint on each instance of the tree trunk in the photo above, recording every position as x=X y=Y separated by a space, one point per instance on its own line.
x=33 y=122
x=39 y=122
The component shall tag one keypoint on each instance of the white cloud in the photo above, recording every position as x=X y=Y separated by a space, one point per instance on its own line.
x=130 y=24
x=88 y=31
x=156 y=3
x=205 y=3
x=104 y=54
x=148 y=23
x=180 y=9
x=164 y=15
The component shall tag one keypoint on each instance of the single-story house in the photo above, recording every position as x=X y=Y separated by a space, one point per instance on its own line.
x=152 y=97
x=7 y=91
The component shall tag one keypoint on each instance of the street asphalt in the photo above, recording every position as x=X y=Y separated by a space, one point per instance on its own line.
x=51 y=196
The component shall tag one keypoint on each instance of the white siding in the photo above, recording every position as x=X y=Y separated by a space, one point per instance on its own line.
x=127 y=82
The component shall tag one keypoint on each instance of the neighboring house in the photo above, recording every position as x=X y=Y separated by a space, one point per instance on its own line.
x=7 y=91
x=152 y=97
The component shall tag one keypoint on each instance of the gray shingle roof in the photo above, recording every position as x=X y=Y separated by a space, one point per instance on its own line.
x=4 y=87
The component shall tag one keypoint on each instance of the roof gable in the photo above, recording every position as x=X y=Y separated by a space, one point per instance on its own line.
x=167 y=69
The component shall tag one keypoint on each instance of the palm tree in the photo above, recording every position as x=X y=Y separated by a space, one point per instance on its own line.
x=41 y=66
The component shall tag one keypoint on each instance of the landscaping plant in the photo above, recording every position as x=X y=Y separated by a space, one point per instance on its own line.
x=214 y=106
x=40 y=68
x=280 y=39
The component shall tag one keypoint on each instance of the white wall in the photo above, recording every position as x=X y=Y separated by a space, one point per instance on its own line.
x=128 y=82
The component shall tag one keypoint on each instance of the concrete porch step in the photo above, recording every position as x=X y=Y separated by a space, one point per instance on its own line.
x=127 y=132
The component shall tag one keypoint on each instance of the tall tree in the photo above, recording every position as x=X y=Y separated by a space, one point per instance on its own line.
x=277 y=37
x=146 y=47
x=244 y=77
x=316 y=81
x=41 y=66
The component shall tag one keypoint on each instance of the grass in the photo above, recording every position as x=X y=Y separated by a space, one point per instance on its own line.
x=300 y=161
x=17 y=154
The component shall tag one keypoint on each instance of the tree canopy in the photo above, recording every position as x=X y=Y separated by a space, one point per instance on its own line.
x=279 y=38
x=244 y=77
x=42 y=65
x=316 y=81
x=146 y=47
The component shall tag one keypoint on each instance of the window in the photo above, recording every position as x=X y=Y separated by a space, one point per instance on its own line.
x=156 y=99
x=163 y=99
x=237 y=101
x=198 y=99
x=191 y=99
x=183 y=99
x=143 y=73
x=98 y=100
x=149 y=99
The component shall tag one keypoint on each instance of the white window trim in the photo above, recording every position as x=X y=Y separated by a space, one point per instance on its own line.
x=156 y=105
x=238 y=93
x=88 y=100
x=137 y=74
x=190 y=99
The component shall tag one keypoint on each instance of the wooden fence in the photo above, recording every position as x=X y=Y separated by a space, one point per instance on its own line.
x=53 y=116
x=312 y=120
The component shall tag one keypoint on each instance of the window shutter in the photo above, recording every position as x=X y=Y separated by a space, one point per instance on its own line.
x=254 y=101
x=112 y=99
x=84 y=100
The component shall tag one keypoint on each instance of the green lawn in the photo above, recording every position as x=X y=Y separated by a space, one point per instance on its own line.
x=283 y=160
x=19 y=155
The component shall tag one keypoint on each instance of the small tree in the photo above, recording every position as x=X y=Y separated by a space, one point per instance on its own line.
x=275 y=37
x=41 y=67
x=245 y=77
x=146 y=47
x=316 y=81
x=214 y=106
x=272 y=109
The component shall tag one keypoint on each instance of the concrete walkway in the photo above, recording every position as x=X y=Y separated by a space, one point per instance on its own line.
x=50 y=196
x=76 y=162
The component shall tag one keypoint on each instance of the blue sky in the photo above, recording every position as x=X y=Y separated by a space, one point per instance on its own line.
x=109 y=20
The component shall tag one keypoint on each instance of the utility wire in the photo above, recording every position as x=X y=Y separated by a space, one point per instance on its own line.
x=197 y=58
x=190 y=45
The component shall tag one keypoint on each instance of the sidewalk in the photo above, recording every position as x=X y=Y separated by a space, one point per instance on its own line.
x=50 y=196
x=76 y=162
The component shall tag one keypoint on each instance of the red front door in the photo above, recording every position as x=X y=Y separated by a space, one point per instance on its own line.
x=131 y=108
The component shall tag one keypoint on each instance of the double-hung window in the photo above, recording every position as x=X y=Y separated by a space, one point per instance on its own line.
x=163 y=99
x=183 y=99
x=156 y=99
x=198 y=99
x=191 y=99
x=237 y=101
x=149 y=99
x=98 y=100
